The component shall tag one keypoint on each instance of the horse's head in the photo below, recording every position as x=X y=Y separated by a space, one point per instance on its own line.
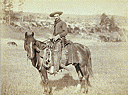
x=28 y=45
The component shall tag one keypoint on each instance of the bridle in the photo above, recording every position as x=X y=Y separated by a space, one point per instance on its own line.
x=28 y=46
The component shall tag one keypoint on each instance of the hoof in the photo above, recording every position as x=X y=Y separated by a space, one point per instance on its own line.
x=78 y=89
x=48 y=91
x=45 y=92
x=89 y=84
x=85 y=91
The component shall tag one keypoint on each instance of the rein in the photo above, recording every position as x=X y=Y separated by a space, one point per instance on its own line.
x=46 y=40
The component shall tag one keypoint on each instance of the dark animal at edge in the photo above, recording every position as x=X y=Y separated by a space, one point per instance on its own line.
x=34 y=48
x=12 y=43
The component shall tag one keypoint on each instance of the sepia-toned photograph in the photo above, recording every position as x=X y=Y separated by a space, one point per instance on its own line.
x=64 y=47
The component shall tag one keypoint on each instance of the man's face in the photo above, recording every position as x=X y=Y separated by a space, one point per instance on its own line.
x=56 y=16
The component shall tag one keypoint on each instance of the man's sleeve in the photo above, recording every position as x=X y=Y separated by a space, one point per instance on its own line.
x=64 y=30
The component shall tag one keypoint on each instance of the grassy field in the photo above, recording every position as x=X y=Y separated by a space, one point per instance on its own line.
x=19 y=77
x=109 y=60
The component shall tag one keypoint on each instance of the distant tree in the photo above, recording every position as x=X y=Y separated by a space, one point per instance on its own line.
x=7 y=9
x=20 y=3
x=112 y=24
x=113 y=27
x=112 y=21
x=103 y=19
x=103 y=16
x=107 y=21
x=15 y=15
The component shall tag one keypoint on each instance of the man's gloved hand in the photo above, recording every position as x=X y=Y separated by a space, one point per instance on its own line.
x=54 y=38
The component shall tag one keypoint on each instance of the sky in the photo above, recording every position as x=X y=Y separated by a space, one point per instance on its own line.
x=81 y=7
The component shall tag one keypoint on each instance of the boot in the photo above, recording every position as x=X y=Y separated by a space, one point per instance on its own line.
x=64 y=59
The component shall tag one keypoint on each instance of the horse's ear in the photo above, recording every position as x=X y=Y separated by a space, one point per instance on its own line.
x=32 y=34
x=25 y=34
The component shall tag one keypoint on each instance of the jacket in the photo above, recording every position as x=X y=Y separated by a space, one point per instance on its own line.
x=61 y=29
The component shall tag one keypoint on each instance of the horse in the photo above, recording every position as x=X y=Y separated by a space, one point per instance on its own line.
x=12 y=43
x=42 y=61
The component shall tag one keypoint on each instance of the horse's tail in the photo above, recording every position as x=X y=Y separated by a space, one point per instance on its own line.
x=90 y=66
x=89 y=63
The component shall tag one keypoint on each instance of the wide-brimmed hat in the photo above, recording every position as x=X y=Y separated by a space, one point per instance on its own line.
x=52 y=14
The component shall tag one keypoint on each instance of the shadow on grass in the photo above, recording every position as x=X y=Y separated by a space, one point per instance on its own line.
x=65 y=81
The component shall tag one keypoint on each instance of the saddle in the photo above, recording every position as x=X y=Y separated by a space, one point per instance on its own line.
x=67 y=55
x=61 y=56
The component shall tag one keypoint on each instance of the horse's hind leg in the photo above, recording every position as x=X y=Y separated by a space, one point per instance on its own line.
x=80 y=76
x=86 y=76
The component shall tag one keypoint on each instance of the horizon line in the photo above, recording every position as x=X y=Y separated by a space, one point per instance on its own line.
x=80 y=14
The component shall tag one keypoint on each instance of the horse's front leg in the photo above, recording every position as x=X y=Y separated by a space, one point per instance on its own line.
x=44 y=77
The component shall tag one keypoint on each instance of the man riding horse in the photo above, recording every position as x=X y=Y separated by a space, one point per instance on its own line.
x=57 y=55
x=60 y=31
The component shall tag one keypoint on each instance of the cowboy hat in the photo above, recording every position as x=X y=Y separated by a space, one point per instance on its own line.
x=52 y=14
